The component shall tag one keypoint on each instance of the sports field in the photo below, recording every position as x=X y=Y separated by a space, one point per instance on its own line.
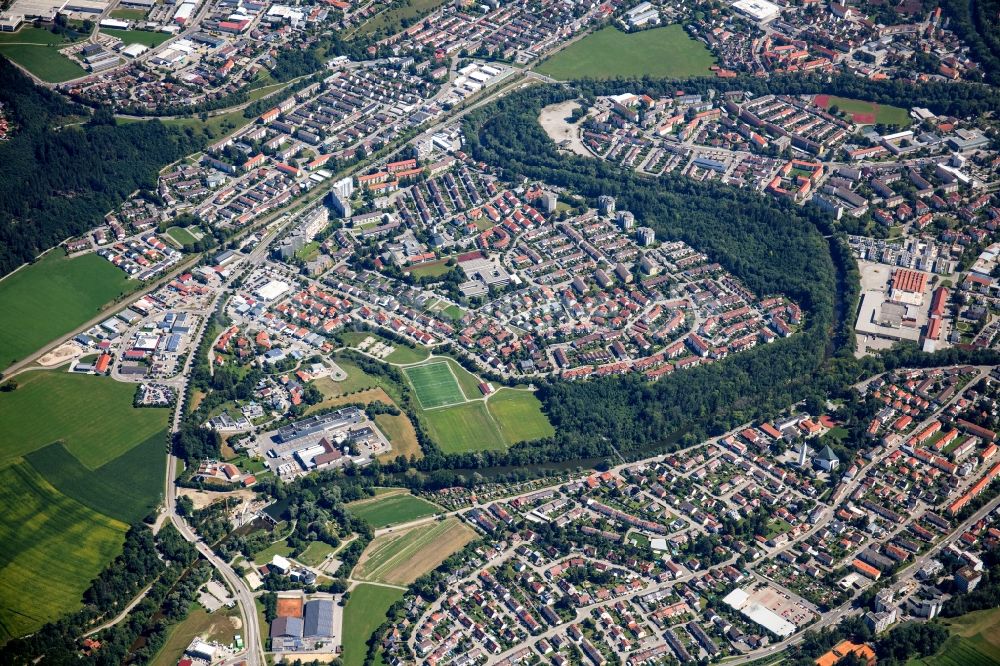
x=610 y=53
x=182 y=235
x=364 y=613
x=519 y=415
x=465 y=427
x=974 y=641
x=399 y=558
x=435 y=384
x=50 y=545
x=864 y=113
x=393 y=509
x=92 y=416
x=51 y=297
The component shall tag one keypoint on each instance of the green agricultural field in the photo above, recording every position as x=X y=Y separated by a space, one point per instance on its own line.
x=51 y=546
x=610 y=53
x=92 y=416
x=127 y=488
x=31 y=35
x=974 y=641
x=45 y=62
x=399 y=558
x=364 y=613
x=144 y=37
x=434 y=384
x=465 y=427
x=519 y=415
x=51 y=297
x=392 y=510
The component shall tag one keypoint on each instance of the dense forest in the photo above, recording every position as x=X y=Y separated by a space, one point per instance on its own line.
x=56 y=184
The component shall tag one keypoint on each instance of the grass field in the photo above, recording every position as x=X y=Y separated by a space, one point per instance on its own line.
x=974 y=641
x=434 y=384
x=31 y=35
x=55 y=295
x=519 y=415
x=92 y=416
x=357 y=380
x=128 y=14
x=401 y=353
x=865 y=113
x=454 y=312
x=401 y=435
x=182 y=235
x=51 y=546
x=391 y=20
x=315 y=553
x=404 y=355
x=363 y=614
x=217 y=626
x=465 y=427
x=392 y=510
x=277 y=548
x=468 y=381
x=400 y=558
x=610 y=53
x=45 y=62
x=144 y=37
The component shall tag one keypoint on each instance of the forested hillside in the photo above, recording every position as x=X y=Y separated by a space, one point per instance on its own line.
x=55 y=184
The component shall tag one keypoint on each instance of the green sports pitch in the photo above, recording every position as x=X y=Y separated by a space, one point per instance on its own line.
x=435 y=385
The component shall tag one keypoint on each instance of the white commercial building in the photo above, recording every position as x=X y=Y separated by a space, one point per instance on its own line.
x=759 y=10
x=273 y=290
x=739 y=600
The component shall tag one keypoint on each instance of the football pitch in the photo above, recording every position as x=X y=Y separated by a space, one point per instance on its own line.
x=435 y=385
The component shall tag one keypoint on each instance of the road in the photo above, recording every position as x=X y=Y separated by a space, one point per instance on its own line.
x=253 y=646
